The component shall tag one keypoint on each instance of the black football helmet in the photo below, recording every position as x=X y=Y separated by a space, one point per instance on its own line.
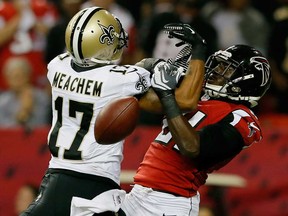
x=245 y=72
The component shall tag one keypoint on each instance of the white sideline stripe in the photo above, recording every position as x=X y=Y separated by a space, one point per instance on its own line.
x=214 y=179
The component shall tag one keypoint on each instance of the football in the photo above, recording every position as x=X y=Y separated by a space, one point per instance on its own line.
x=116 y=120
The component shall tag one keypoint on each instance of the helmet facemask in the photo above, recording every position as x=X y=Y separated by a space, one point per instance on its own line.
x=122 y=37
x=218 y=81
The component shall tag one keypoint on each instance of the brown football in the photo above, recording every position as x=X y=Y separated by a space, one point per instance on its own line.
x=116 y=120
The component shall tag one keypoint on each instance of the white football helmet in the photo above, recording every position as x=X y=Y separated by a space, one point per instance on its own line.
x=93 y=36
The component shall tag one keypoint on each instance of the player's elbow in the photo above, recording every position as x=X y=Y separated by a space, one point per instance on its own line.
x=191 y=154
x=190 y=150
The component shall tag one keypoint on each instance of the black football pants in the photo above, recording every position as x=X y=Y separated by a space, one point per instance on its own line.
x=59 y=186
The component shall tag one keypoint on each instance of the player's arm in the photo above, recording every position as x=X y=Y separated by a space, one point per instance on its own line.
x=213 y=144
x=218 y=142
x=189 y=141
x=186 y=137
x=188 y=93
x=189 y=90
x=149 y=101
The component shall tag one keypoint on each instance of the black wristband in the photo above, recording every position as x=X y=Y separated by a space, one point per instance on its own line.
x=170 y=105
x=199 y=52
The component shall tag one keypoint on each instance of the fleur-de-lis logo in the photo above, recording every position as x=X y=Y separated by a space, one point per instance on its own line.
x=141 y=84
x=108 y=34
x=261 y=64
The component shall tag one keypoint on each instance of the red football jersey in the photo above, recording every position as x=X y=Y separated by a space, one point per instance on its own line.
x=164 y=168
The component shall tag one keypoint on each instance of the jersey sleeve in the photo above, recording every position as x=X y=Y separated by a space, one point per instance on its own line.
x=54 y=63
x=50 y=66
x=248 y=126
x=139 y=81
x=49 y=73
x=222 y=141
x=219 y=143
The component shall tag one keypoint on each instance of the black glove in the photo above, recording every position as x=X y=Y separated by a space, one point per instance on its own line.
x=186 y=34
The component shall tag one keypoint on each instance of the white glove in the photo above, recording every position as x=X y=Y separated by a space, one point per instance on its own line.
x=166 y=76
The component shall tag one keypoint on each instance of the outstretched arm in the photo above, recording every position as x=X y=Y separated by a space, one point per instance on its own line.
x=188 y=93
x=164 y=82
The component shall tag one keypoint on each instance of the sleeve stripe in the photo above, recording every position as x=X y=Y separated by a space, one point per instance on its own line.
x=237 y=114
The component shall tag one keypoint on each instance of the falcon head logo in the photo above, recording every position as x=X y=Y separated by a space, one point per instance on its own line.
x=262 y=65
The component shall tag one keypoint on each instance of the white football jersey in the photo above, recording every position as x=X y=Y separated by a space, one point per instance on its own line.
x=77 y=98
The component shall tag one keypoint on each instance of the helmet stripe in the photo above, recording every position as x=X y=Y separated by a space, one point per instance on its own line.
x=73 y=32
x=80 y=25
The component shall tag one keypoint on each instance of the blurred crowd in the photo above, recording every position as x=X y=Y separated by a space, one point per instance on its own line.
x=32 y=32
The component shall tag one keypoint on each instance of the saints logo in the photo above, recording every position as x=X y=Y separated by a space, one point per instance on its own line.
x=108 y=34
x=142 y=84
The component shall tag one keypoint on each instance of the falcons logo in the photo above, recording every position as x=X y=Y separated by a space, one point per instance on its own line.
x=261 y=64
x=108 y=34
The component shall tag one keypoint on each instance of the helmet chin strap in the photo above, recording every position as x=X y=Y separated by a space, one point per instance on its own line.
x=98 y=61
x=252 y=100
x=215 y=91
x=94 y=62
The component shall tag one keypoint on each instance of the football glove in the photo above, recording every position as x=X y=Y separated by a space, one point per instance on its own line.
x=186 y=34
x=182 y=58
x=164 y=81
x=149 y=64
x=165 y=78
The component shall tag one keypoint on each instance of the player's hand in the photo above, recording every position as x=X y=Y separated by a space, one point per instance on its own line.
x=186 y=34
x=182 y=58
x=165 y=78
x=149 y=63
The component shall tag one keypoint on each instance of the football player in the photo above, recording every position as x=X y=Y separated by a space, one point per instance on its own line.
x=193 y=144
x=83 y=80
